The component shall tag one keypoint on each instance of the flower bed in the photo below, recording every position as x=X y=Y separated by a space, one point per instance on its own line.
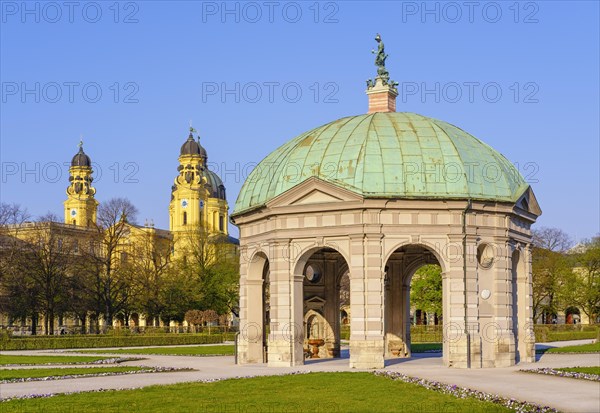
x=112 y=360
x=560 y=373
x=103 y=374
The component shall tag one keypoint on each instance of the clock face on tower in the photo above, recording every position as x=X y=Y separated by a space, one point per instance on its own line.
x=184 y=203
x=73 y=212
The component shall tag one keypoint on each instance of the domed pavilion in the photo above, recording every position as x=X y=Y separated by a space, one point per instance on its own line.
x=375 y=197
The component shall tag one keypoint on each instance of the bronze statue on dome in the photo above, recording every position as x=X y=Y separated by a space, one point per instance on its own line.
x=382 y=72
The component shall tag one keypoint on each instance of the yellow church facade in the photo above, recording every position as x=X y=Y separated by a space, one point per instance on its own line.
x=198 y=203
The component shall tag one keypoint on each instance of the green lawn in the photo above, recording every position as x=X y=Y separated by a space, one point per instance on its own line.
x=315 y=393
x=8 y=374
x=582 y=348
x=11 y=359
x=224 y=350
x=423 y=347
x=586 y=370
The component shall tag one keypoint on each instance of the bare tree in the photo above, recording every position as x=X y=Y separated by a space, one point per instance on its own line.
x=37 y=264
x=18 y=295
x=111 y=287
x=345 y=290
x=553 y=239
x=12 y=214
x=149 y=266
x=49 y=258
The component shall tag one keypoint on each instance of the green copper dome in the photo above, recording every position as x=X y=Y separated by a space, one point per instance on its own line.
x=387 y=155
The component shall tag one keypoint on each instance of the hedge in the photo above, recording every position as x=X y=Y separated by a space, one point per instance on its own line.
x=426 y=333
x=418 y=334
x=64 y=342
x=563 y=332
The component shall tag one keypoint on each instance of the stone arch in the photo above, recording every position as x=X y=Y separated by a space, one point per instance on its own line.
x=426 y=245
x=344 y=268
x=400 y=265
x=252 y=340
x=414 y=266
x=307 y=252
x=321 y=297
x=256 y=264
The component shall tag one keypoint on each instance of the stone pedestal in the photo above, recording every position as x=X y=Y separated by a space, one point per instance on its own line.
x=367 y=354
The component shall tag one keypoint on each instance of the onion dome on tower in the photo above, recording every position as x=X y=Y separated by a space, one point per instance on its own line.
x=80 y=206
x=80 y=158
x=191 y=147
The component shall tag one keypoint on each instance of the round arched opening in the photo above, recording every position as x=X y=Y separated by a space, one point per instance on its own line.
x=254 y=330
x=413 y=302
x=325 y=293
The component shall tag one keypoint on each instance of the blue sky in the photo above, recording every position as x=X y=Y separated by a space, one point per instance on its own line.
x=129 y=76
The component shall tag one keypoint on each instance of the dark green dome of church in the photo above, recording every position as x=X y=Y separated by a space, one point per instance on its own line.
x=214 y=185
x=387 y=155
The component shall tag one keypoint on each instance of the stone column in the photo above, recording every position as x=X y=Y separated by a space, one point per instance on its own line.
x=404 y=321
x=461 y=326
x=396 y=311
x=526 y=343
x=332 y=309
x=367 y=340
x=250 y=339
x=286 y=329
x=504 y=345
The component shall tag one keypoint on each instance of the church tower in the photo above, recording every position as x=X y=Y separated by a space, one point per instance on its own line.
x=189 y=195
x=81 y=206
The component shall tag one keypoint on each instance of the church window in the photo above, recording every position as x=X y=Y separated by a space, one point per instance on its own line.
x=185 y=218
x=220 y=222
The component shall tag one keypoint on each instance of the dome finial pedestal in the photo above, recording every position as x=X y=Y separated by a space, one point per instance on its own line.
x=382 y=97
